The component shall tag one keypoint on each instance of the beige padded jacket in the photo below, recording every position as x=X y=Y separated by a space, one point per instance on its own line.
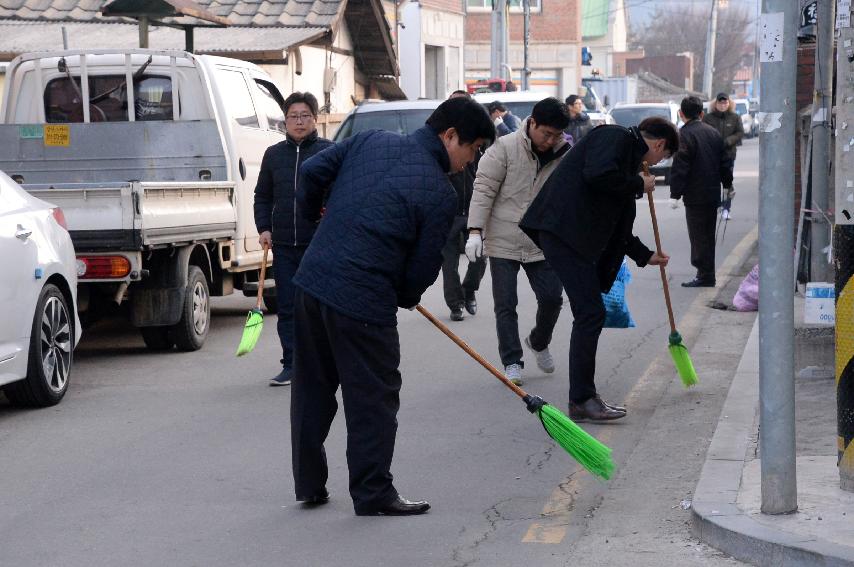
x=508 y=178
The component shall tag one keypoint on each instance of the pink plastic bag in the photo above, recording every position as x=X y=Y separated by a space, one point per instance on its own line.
x=747 y=296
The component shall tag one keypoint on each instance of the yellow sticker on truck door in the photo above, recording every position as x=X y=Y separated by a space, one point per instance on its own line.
x=57 y=135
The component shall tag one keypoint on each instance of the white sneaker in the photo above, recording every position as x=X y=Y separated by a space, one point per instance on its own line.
x=545 y=361
x=726 y=215
x=513 y=372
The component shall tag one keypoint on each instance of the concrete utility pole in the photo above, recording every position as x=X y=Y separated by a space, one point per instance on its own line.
x=709 y=62
x=498 y=55
x=843 y=247
x=526 y=69
x=777 y=116
x=822 y=97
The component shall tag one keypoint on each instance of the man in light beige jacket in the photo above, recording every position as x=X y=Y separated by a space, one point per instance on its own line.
x=509 y=176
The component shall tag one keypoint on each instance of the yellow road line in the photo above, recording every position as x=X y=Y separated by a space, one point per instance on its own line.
x=555 y=516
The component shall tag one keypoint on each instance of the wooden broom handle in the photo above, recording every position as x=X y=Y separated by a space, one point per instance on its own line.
x=471 y=352
x=262 y=278
x=658 y=250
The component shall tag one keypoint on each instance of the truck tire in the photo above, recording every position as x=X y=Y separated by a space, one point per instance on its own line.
x=51 y=353
x=271 y=303
x=157 y=338
x=192 y=330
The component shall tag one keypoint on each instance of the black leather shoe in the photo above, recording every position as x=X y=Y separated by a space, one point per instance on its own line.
x=399 y=507
x=457 y=314
x=471 y=304
x=593 y=409
x=315 y=499
x=609 y=404
x=697 y=282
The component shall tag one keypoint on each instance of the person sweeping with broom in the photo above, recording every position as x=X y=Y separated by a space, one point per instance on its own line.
x=389 y=210
x=582 y=220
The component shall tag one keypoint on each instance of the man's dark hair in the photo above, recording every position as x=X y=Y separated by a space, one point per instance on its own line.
x=551 y=112
x=297 y=97
x=495 y=105
x=459 y=92
x=570 y=100
x=510 y=87
x=466 y=116
x=692 y=107
x=659 y=128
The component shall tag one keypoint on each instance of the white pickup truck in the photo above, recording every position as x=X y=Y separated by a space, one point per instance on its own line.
x=153 y=157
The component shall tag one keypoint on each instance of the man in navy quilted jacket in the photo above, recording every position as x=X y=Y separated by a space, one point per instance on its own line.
x=388 y=209
x=279 y=227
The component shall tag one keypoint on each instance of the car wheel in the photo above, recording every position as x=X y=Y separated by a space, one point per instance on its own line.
x=192 y=330
x=51 y=353
x=157 y=338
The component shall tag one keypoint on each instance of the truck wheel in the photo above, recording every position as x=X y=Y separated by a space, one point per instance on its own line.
x=192 y=330
x=51 y=353
x=271 y=303
x=157 y=338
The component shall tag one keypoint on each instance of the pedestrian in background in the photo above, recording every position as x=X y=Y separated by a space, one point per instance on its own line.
x=279 y=226
x=389 y=207
x=461 y=294
x=728 y=124
x=579 y=122
x=509 y=176
x=497 y=112
x=700 y=167
x=583 y=220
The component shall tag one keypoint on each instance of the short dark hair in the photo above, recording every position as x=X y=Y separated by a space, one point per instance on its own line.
x=570 y=100
x=659 y=128
x=459 y=92
x=297 y=97
x=551 y=112
x=692 y=107
x=495 y=105
x=466 y=116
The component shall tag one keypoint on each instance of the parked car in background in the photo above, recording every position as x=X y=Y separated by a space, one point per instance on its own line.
x=403 y=117
x=38 y=291
x=742 y=108
x=628 y=115
x=520 y=103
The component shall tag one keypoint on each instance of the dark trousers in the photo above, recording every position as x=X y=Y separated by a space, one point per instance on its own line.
x=546 y=286
x=286 y=260
x=585 y=299
x=701 y=232
x=331 y=350
x=457 y=292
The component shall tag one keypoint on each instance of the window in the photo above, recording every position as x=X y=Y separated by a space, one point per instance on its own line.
x=486 y=5
x=270 y=102
x=235 y=93
x=108 y=99
x=633 y=116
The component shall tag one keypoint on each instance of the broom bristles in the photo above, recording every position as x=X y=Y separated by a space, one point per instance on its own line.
x=251 y=332
x=584 y=448
x=684 y=366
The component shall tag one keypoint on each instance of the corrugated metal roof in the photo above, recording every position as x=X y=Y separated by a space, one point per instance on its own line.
x=594 y=17
x=19 y=37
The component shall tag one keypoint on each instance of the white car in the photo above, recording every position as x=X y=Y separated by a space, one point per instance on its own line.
x=633 y=114
x=38 y=294
x=521 y=103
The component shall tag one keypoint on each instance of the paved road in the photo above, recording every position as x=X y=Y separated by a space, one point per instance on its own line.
x=183 y=458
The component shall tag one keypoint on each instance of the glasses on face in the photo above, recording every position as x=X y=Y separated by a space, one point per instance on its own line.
x=304 y=117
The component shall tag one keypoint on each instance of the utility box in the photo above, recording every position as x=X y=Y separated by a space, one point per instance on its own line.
x=819 y=307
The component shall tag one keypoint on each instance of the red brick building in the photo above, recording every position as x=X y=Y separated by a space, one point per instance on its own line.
x=555 y=43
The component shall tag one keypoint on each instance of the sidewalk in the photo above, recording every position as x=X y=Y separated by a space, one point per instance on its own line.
x=726 y=506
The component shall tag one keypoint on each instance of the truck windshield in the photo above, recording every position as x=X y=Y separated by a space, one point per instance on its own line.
x=108 y=99
x=633 y=116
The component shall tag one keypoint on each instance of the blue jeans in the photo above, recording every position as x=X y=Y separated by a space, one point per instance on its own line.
x=286 y=260
x=547 y=289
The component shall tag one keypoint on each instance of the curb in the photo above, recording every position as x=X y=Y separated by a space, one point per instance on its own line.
x=717 y=519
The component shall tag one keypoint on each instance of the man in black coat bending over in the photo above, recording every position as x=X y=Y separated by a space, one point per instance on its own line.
x=699 y=168
x=389 y=207
x=582 y=220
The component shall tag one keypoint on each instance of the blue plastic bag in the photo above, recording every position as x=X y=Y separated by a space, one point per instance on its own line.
x=617 y=314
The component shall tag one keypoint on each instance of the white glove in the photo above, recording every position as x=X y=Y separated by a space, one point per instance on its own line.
x=674 y=203
x=474 y=247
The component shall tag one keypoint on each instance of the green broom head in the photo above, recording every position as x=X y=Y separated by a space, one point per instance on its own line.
x=682 y=360
x=584 y=448
x=251 y=332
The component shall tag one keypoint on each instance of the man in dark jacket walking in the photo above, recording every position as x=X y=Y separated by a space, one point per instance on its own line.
x=699 y=168
x=728 y=124
x=582 y=219
x=579 y=122
x=279 y=227
x=378 y=247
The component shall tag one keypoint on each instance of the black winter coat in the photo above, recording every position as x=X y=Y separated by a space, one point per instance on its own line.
x=589 y=200
x=275 y=200
x=700 y=165
x=578 y=127
x=388 y=213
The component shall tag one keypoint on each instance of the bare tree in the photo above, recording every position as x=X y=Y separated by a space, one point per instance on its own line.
x=680 y=29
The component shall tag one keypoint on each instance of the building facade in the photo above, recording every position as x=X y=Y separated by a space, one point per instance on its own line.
x=604 y=31
x=432 y=41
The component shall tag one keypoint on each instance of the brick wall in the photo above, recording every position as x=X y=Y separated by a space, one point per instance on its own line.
x=454 y=6
x=558 y=21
